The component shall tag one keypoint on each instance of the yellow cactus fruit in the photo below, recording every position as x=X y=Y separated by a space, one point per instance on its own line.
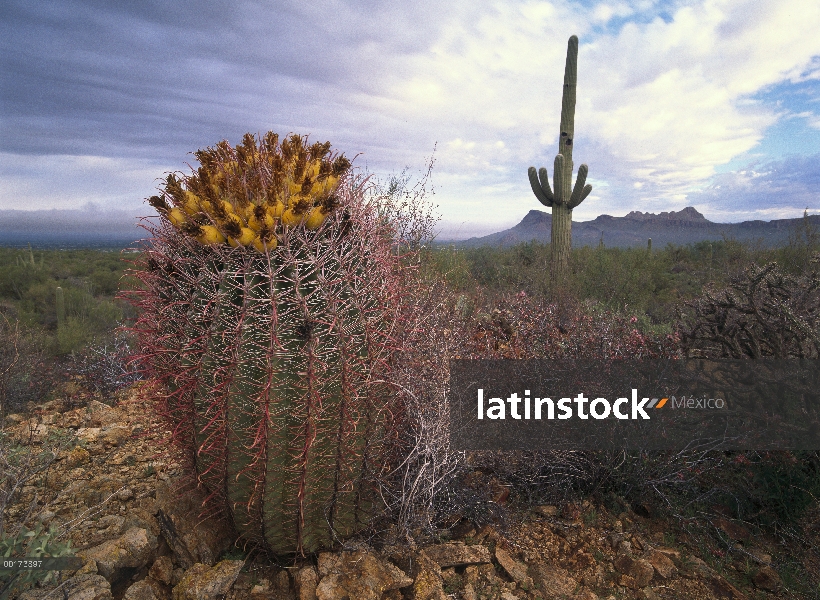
x=246 y=237
x=177 y=217
x=227 y=206
x=291 y=218
x=233 y=224
x=316 y=217
x=328 y=184
x=276 y=209
x=210 y=235
x=254 y=223
x=191 y=203
x=296 y=200
x=218 y=211
x=246 y=211
x=260 y=244
x=243 y=193
x=260 y=218
x=205 y=206
x=293 y=187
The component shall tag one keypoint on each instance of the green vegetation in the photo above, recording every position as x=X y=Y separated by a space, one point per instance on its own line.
x=651 y=285
x=630 y=281
x=58 y=312
x=75 y=289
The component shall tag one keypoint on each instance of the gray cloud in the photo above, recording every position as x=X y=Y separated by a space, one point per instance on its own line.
x=159 y=79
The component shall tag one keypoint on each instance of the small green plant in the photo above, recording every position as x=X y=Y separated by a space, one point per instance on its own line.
x=234 y=553
x=453 y=584
x=20 y=466
x=30 y=543
x=590 y=517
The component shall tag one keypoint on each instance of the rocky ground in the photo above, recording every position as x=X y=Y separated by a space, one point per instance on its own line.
x=116 y=496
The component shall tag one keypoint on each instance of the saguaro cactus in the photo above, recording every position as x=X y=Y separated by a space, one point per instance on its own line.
x=270 y=306
x=565 y=197
x=59 y=297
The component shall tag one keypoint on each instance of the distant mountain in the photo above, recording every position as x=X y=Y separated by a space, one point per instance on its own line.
x=69 y=228
x=686 y=226
x=112 y=229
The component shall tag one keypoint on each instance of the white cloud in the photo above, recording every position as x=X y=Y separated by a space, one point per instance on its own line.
x=604 y=11
x=665 y=102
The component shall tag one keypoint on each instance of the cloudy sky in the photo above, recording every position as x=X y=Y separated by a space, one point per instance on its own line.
x=708 y=103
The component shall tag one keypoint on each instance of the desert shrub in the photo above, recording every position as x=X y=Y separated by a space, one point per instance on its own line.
x=630 y=281
x=772 y=488
x=17 y=279
x=449 y=263
x=25 y=375
x=763 y=489
x=525 y=326
x=622 y=279
x=522 y=326
x=761 y=313
x=107 y=366
x=804 y=241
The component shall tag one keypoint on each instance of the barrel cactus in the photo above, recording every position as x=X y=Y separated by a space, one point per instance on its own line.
x=270 y=305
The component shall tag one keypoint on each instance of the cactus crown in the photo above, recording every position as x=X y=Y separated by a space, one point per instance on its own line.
x=245 y=195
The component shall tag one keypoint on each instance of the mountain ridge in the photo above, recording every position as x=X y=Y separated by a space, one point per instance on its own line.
x=70 y=228
x=686 y=226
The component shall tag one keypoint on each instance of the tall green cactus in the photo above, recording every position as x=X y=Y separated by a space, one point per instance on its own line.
x=270 y=306
x=60 y=305
x=565 y=197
